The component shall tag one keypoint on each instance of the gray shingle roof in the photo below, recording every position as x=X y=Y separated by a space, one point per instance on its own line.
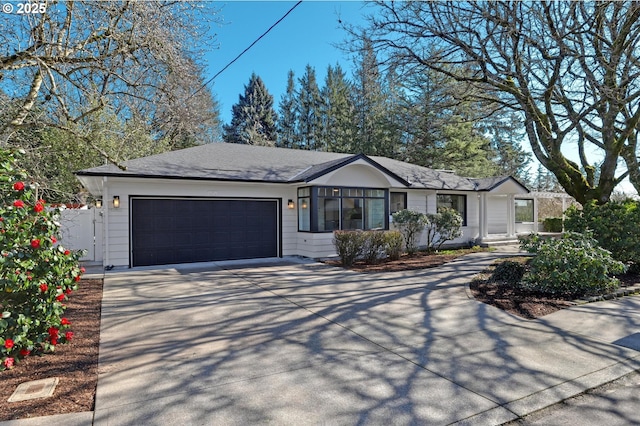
x=236 y=162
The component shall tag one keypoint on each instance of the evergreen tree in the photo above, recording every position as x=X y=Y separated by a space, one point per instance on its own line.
x=253 y=117
x=308 y=111
x=375 y=133
x=337 y=112
x=288 y=136
x=506 y=132
x=464 y=150
x=442 y=132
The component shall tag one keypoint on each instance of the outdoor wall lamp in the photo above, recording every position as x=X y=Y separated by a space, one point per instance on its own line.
x=116 y=201
x=290 y=204
x=99 y=203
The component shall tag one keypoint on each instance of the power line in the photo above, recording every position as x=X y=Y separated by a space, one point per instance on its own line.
x=244 y=51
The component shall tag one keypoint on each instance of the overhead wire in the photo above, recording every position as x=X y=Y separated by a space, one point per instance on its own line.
x=243 y=52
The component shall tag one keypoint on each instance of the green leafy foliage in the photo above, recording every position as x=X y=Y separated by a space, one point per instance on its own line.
x=552 y=224
x=410 y=224
x=509 y=271
x=446 y=225
x=614 y=225
x=572 y=266
x=36 y=273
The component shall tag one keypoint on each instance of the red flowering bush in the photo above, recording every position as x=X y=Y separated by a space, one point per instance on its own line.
x=36 y=274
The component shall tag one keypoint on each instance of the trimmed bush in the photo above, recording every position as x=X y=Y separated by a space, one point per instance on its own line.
x=509 y=271
x=349 y=245
x=552 y=224
x=572 y=266
x=393 y=246
x=374 y=246
x=410 y=224
x=614 y=225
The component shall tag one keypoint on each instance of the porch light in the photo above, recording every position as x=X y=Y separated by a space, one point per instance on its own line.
x=290 y=204
x=116 y=201
x=99 y=203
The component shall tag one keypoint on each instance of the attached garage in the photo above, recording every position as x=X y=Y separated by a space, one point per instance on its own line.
x=178 y=230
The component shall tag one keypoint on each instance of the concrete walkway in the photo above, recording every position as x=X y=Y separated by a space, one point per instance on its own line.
x=303 y=343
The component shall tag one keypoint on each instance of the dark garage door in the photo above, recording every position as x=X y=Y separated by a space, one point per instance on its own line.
x=165 y=231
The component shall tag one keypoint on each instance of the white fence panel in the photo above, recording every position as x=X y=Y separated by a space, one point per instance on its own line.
x=81 y=229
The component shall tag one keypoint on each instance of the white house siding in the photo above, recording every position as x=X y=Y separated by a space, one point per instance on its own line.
x=116 y=245
x=359 y=174
x=316 y=245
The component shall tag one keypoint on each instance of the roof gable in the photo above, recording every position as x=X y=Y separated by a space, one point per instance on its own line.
x=495 y=184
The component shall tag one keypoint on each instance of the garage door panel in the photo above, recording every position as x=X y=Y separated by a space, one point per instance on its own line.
x=165 y=231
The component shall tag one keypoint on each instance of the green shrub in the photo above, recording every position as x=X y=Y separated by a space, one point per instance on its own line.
x=509 y=271
x=614 y=225
x=552 y=224
x=374 y=246
x=410 y=224
x=572 y=266
x=393 y=246
x=446 y=225
x=36 y=273
x=349 y=245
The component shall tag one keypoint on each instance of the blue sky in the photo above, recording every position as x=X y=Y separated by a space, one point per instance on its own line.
x=306 y=36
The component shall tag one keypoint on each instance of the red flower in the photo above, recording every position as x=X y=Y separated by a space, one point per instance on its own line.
x=24 y=352
x=8 y=343
x=82 y=270
x=35 y=243
x=60 y=297
x=54 y=341
x=18 y=186
x=8 y=363
x=68 y=335
x=65 y=321
x=68 y=291
x=43 y=287
x=38 y=207
x=67 y=252
x=53 y=240
x=76 y=278
x=53 y=332
x=18 y=203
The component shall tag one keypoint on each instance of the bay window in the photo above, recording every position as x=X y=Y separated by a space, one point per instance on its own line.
x=326 y=209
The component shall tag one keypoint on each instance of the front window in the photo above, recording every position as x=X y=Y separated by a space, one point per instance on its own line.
x=398 y=201
x=524 y=210
x=304 y=212
x=455 y=202
x=333 y=208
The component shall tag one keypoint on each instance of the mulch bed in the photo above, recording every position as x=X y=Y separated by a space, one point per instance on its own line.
x=75 y=363
x=420 y=260
x=527 y=304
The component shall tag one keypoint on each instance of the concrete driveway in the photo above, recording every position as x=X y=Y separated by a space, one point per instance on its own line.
x=303 y=343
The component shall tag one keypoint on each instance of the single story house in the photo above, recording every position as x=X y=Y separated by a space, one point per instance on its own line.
x=228 y=201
